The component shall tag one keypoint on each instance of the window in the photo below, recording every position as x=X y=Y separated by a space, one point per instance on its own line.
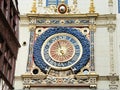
x=118 y=6
x=55 y=2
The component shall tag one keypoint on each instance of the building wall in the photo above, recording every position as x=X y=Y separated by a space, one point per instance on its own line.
x=23 y=51
x=102 y=44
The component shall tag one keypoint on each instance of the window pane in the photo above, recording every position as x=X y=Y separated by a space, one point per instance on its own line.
x=118 y=6
x=51 y=2
x=54 y=2
x=65 y=1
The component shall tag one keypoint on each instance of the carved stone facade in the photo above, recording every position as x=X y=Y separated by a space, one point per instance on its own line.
x=99 y=72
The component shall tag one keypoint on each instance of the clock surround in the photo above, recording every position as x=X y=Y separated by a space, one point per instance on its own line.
x=38 y=57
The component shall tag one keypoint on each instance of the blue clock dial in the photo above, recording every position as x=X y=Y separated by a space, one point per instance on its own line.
x=61 y=51
x=61 y=48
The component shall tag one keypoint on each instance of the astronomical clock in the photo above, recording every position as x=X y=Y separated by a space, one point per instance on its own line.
x=61 y=50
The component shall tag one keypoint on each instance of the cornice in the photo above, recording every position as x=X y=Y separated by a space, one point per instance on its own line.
x=99 y=16
x=63 y=15
x=100 y=78
x=106 y=16
x=108 y=77
x=101 y=20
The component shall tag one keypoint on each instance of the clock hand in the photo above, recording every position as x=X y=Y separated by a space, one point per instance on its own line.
x=59 y=44
x=61 y=51
x=63 y=54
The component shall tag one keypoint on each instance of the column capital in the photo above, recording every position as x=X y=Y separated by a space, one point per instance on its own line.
x=111 y=28
x=92 y=27
x=32 y=27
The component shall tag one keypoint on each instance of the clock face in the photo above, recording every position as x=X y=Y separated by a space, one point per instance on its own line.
x=61 y=51
x=61 y=48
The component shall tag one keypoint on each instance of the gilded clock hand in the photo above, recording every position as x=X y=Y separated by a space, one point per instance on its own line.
x=59 y=44
x=64 y=56
x=61 y=51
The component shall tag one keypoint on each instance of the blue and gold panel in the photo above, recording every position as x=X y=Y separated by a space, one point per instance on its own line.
x=61 y=48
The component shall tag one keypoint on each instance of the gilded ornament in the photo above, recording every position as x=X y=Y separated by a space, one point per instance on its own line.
x=92 y=8
x=34 y=9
